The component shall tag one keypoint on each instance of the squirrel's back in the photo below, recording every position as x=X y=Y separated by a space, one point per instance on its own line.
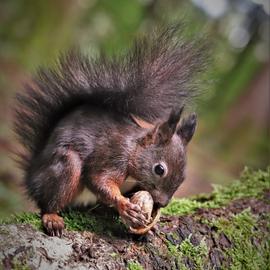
x=153 y=77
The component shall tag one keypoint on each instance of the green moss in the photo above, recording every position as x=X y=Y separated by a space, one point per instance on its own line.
x=20 y=266
x=17 y=265
x=28 y=218
x=242 y=231
x=181 y=207
x=251 y=184
x=249 y=249
x=198 y=255
x=134 y=266
x=175 y=255
x=114 y=255
x=107 y=222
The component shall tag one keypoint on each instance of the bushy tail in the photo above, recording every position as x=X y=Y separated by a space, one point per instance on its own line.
x=148 y=81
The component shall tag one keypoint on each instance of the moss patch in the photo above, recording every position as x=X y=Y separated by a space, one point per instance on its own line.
x=19 y=265
x=134 y=266
x=106 y=221
x=251 y=184
x=248 y=248
x=250 y=245
x=28 y=218
x=188 y=254
x=100 y=221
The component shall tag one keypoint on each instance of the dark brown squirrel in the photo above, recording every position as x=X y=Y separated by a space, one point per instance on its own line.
x=94 y=123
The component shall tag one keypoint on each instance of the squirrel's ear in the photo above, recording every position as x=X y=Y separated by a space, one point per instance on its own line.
x=167 y=128
x=162 y=133
x=187 y=128
x=141 y=123
x=149 y=138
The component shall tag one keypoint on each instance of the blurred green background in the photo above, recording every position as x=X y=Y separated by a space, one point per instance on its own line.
x=233 y=129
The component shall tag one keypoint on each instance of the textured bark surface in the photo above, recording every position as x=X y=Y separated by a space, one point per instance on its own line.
x=192 y=241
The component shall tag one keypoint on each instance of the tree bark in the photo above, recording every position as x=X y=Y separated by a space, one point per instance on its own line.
x=24 y=246
x=235 y=236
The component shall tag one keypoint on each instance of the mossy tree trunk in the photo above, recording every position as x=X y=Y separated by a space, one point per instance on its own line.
x=228 y=229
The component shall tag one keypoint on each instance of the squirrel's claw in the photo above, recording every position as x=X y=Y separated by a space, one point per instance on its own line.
x=132 y=214
x=134 y=219
x=53 y=224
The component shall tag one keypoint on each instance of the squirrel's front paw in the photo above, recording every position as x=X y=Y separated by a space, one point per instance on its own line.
x=53 y=224
x=131 y=214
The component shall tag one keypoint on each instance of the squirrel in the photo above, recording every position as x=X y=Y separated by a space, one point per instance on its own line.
x=95 y=123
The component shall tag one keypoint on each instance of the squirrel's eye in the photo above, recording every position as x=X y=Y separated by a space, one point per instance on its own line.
x=160 y=169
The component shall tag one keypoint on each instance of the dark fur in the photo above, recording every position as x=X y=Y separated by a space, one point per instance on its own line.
x=76 y=128
x=155 y=76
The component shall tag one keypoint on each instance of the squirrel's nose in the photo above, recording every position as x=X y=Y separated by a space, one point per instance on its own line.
x=160 y=200
x=161 y=204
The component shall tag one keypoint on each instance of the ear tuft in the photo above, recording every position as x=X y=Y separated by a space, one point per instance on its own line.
x=174 y=117
x=160 y=134
x=167 y=128
x=187 y=128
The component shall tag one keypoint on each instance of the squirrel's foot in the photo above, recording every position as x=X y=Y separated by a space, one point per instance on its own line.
x=53 y=224
x=131 y=214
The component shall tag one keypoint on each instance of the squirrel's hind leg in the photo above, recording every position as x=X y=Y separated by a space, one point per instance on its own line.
x=53 y=186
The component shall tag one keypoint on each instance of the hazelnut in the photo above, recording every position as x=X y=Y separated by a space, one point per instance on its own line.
x=145 y=201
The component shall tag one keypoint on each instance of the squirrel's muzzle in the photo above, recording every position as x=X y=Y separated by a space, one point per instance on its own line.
x=160 y=199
